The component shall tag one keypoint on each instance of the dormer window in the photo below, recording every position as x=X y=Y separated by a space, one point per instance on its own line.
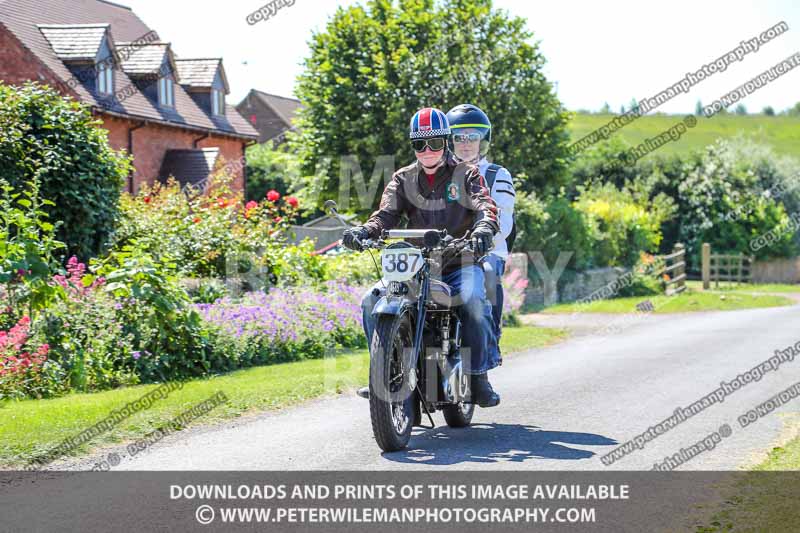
x=105 y=78
x=166 y=92
x=217 y=102
x=205 y=82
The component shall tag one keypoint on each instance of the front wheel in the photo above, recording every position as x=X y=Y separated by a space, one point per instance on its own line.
x=390 y=392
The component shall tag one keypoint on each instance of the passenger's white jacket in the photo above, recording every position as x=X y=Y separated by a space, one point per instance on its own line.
x=503 y=194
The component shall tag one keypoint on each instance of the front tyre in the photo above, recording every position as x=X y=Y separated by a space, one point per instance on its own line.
x=390 y=395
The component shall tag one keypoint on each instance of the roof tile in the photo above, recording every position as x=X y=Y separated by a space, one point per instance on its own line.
x=197 y=72
x=21 y=17
x=75 y=42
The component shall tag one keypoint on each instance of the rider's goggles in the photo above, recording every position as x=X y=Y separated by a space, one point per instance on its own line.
x=435 y=144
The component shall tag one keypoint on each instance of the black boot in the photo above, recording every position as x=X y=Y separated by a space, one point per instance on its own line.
x=482 y=392
x=363 y=392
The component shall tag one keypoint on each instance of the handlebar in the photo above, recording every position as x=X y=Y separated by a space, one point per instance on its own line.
x=448 y=242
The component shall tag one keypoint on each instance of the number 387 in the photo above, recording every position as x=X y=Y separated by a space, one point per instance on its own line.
x=400 y=262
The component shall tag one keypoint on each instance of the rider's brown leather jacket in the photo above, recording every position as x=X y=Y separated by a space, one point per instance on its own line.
x=459 y=201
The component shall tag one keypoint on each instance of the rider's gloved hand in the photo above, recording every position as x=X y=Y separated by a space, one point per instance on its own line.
x=353 y=237
x=482 y=238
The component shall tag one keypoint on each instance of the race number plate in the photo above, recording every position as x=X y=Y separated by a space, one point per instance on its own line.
x=400 y=264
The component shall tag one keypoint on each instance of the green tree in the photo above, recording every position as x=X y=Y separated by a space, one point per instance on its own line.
x=606 y=109
x=769 y=111
x=698 y=109
x=46 y=135
x=795 y=111
x=373 y=66
x=740 y=110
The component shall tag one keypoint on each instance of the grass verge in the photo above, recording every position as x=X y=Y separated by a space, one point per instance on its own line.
x=32 y=427
x=764 y=499
x=747 y=287
x=690 y=300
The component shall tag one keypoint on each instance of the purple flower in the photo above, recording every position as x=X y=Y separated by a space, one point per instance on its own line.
x=137 y=355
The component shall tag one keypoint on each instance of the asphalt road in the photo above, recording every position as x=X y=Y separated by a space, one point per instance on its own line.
x=562 y=408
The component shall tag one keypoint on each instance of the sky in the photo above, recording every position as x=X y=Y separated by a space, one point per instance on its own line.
x=596 y=52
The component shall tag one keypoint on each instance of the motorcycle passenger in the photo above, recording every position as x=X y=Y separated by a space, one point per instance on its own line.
x=437 y=193
x=471 y=138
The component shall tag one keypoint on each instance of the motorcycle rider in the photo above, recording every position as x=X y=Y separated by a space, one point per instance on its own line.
x=470 y=141
x=437 y=193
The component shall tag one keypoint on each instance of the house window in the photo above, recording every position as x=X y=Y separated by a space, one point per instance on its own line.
x=166 y=92
x=105 y=78
x=217 y=102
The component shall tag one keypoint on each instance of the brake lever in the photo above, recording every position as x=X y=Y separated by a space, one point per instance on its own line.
x=371 y=243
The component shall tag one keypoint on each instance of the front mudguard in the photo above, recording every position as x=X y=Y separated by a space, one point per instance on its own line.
x=394 y=305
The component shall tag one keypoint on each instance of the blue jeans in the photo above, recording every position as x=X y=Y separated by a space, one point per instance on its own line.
x=499 y=265
x=477 y=330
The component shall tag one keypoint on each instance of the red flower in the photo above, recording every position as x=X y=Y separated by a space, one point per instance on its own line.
x=196 y=220
x=251 y=205
x=273 y=196
x=222 y=202
x=278 y=219
x=147 y=199
x=292 y=201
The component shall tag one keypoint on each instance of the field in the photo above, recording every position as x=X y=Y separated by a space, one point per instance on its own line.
x=782 y=133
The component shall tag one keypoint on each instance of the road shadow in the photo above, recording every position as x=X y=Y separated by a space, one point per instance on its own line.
x=494 y=443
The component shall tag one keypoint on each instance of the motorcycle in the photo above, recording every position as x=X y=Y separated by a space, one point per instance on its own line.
x=416 y=362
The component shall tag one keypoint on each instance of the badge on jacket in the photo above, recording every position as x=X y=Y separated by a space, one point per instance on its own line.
x=453 y=192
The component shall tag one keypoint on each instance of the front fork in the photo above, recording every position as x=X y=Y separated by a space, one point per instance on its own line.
x=419 y=329
x=421 y=314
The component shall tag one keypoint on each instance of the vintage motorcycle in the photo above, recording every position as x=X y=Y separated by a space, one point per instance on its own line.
x=415 y=352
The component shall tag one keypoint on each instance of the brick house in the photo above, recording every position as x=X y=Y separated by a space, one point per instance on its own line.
x=168 y=111
x=270 y=114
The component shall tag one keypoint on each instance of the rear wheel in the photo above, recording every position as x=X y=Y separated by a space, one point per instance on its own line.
x=390 y=391
x=459 y=415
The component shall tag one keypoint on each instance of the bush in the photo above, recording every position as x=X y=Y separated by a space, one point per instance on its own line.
x=643 y=280
x=89 y=347
x=605 y=162
x=723 y=200
x=22 y=363
x=58 y=140
x=355 y=268
x=27 y=244
x=269 y=169
x=552 y=228
x=287 y=324
x=214 y=236
x=621 y=226
x=168 y=337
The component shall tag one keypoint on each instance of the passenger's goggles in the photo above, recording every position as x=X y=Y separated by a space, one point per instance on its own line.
x=467 y=137
x=435 y=144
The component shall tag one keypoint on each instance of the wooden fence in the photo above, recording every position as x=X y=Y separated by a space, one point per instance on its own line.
x=736 y=268
x=674 y=271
